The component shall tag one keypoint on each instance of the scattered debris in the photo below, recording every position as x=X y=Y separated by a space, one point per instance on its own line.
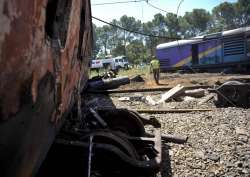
x=218 y=143
x=200 y=155
x=188 y=98
x=132 y=98
x=197 y=93
x=109 y=74
x=213 y=157
x=137 y=78
x=207 y=98
x=150 y=100
x=233 y=93
x=174 y=138
x=243 y=138
x=242 y=134
x=171 y=93
x=105 y=84
x=241 y=131
x=124 y=99
x=106 y=75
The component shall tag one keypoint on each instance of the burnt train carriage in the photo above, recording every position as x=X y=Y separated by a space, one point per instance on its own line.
x=45 y=46
x=214 y=51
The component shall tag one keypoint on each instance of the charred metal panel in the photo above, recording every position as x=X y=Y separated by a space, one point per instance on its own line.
x=45 y=46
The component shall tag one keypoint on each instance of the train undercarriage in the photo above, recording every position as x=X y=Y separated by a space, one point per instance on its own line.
x=106 y=143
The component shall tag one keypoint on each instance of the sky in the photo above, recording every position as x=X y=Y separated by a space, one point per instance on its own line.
x=142 y=11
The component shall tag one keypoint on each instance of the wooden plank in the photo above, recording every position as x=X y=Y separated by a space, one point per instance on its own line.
x=207 y=98
x=171 y=93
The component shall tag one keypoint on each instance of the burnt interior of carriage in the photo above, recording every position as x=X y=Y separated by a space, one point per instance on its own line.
x=57 y=19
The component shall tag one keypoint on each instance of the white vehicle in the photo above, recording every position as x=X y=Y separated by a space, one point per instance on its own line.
x=96 y=64
x=121 y=62
x=116 y=63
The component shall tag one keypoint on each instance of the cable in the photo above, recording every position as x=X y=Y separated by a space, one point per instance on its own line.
x=118 y=2
x=156 y=7
x=179 y=7
x=136 y=32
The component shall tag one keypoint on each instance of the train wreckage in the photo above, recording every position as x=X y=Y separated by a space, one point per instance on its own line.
x=45 y=130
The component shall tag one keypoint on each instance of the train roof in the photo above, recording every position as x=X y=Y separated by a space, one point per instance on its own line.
x=201 y=38
x=178 y=43
x=236 y=31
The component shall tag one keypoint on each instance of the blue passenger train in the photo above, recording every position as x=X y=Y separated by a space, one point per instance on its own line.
x=228 y=49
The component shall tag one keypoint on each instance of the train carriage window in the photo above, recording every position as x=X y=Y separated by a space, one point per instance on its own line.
x=57 y=19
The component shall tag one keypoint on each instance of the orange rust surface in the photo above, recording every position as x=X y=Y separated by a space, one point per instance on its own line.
x=38 y=79
x=26 y=53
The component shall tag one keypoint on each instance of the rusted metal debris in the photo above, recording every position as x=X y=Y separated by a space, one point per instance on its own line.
x=122 y=148
x=175 y=138
x=233 y=93
x=45 y=46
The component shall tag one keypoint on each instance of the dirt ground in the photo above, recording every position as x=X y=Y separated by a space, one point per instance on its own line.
x=172 y=79
x=218 y=140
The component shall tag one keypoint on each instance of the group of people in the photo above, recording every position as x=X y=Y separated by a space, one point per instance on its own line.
x=155 y=69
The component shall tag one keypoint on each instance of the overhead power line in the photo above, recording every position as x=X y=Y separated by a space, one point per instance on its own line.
x=156 y=7
x=118 y=2
x=136 y=32
x=181 y=1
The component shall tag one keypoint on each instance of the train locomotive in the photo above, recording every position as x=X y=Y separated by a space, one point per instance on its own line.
x=212 y=52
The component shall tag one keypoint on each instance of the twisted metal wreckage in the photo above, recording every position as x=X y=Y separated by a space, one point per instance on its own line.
x=45 y=47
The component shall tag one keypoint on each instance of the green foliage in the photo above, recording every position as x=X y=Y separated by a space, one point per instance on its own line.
x=103 y=37
x=172 y=23
x=243 y=12
x=96 y=46
x=118 y=50
x=225 y=15
x=198 y=21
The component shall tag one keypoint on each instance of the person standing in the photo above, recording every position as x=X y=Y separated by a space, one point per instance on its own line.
x=155 y=68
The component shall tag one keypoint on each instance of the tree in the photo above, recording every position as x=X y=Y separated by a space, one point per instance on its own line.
x=159 y=24
x=184 y=27
x=243 y=12
x=118 y=50
x=96 y=46
x=103 y=35
x=225 y=16
x=136 y=52
x=151 y=42
x=172 y=23
x=114 y=40
x=131 y=24
x=121 y=42
x=199 y=21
